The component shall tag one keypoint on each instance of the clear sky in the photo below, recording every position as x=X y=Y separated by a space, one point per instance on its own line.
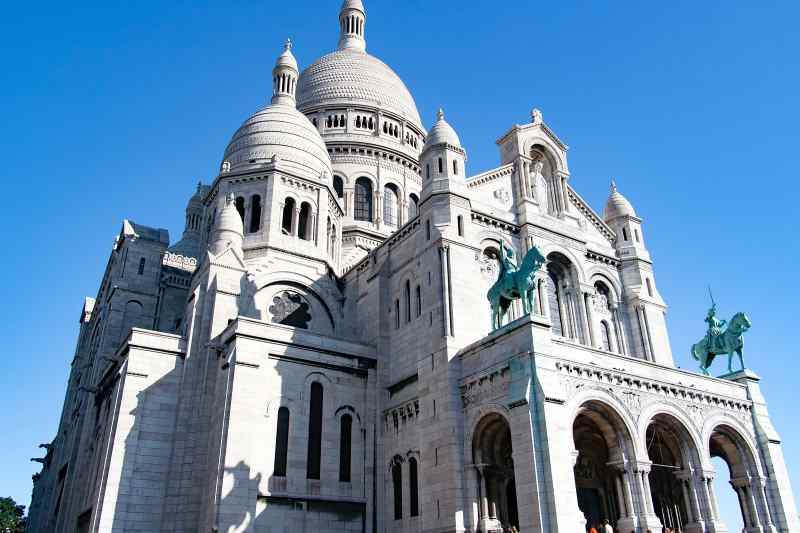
x=116 y=109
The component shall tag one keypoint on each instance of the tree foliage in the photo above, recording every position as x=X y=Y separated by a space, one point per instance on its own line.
x=12 y=516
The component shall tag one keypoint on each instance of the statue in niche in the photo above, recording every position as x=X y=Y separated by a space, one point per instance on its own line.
x=290 y=309
x=247 y=297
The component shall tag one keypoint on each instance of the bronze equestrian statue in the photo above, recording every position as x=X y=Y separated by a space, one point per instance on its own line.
x=718 y=341
x=513 y=283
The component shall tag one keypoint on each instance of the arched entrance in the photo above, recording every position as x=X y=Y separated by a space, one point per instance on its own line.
x=673 y=476
x=727 y=444
x=497 y=492
x=602 y=481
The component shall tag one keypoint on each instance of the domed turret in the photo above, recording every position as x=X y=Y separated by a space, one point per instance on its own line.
x=442 y=133
x=189 y=245
x=617 y=205
x=443 y=160
x=279 y=131
x=228 y=231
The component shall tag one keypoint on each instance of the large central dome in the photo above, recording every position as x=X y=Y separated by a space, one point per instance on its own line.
x=352 y=76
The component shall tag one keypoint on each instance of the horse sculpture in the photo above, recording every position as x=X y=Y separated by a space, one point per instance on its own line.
x=514 y=284
x=728 y=342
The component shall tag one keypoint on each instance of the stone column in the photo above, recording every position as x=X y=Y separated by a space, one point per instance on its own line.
x=587 y=306
x=743 y=505
x=295 y=221
x=544 y=309
x=618 y=330
x=648 y=519
x=758 y=486
x=688 y=485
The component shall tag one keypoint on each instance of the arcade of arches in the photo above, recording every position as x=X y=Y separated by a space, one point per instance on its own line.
x=663 y=482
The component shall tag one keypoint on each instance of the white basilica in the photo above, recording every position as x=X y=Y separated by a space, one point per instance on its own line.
x=315 y=353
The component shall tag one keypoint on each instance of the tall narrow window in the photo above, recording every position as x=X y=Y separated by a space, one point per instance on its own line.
x=636 y=234
x=397 y=313
x=419 y=300
x=304 y=222
x=460 y=221
x=240 y=207
x=390 y=206
x=413 y=205
x=624 y=234
x=428 y=229
x=288 y=216
x=413 y=488
x=338 y=186
x=363 y=200
x=408 y=301
x=397 y=482
x=281 y=442
x=606 y=333
x=441 y=166
x=345 y=441
x=649 y=286
x=314 y=432
x=255 y=213
x=142 y=261
x=427 y=172
x=455 y=167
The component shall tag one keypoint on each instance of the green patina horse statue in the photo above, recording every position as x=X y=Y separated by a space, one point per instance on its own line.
x=728 y=342
x=513 y=284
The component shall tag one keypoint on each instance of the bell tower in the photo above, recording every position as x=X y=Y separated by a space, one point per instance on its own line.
x=646 y=308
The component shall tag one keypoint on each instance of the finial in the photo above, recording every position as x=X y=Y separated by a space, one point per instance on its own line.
x=613 y=185
x=536 y=115
x=288 y=45
x=225 y=167
x=440 y=115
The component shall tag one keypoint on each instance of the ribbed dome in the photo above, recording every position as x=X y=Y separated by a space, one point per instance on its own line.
x=442 y=132
x=351 y=77
x=617 y=205
x=282 y=131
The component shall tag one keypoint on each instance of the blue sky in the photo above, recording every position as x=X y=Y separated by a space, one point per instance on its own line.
x=116 y=109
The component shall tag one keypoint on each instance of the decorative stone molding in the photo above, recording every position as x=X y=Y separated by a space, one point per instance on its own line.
x=491 y=385
x=170 y=259
x=397 y=417
x=638 y=393
x=587 y=212
x=492 y=175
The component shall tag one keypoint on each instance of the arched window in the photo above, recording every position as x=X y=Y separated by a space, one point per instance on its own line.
x=636 y=234
x=624 y=234
x=281 y=443
x=240 y=207
x=397 y=485
x=333 y=240
x=413 y=205
x=304 y=222
x=397 y=313
x=363 y=200
x=460 y=223
x=255 y=213
x=385 y=128
x=328 y=241
x=419 y=300
x=132 y=317
x=142 y=262
x=314 y=432
x=649 y=287
x=369 y=124
x=338 y=186
x=288 y=216
x=390 y=205
x=427 y=172
x=413 y=488
x=345 y=441
x=441 y=166
x=358 y=121
x=329 y=122
x=455 y=167
x=605 y=331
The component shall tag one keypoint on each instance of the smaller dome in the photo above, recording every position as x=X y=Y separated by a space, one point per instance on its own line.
x=286 y=59
x=228 y=229
x=617 y=205
x=442 y=132
x=353 y=4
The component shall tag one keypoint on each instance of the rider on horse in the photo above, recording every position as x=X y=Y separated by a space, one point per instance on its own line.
x=715 y=325
x=507 y=261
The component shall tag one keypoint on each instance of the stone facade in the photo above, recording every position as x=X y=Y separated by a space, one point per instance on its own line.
x=315 y=354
